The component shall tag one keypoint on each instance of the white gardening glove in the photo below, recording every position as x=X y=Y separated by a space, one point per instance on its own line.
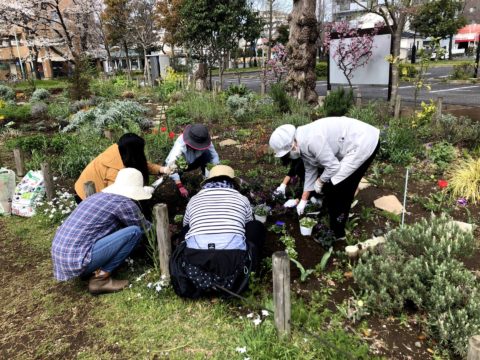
x=148 y=189
x=290 y=203
x=280 y=190
x=318 y=186
x=301 y=207
x=173 y=167
x=167 y=170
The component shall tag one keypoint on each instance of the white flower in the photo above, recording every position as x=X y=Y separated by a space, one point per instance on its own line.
x=158 y=288
x=265 y=313
x=241 y=350
x=149 y=285
x=257 y=321
x=55 y=178
x=249 y=316
x=247 y=358
x=51 y=216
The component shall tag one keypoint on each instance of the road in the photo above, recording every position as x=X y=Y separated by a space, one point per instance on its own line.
x=454 y=94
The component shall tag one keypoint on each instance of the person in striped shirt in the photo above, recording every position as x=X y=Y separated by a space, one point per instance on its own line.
x=222 y=240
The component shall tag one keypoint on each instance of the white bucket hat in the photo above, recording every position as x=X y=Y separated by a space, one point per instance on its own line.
x=281 y=140
x=129 y=183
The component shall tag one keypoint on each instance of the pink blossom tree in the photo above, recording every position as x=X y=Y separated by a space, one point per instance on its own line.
x=277 y=65
x=354 y=48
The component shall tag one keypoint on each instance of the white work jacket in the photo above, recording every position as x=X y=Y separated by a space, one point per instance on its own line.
x=338 y=144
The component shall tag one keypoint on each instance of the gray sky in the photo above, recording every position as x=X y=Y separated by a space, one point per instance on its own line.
x=282 y=5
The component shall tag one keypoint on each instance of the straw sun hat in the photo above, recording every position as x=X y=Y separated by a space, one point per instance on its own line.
x=220 y=171
x=129 y=183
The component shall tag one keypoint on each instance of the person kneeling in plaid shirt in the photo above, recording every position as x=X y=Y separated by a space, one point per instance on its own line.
x=101 y=233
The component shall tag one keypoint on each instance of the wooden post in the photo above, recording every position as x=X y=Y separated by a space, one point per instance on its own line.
x=163 y=237
x=108 y=134
x=262 y=88
x=281 y=292
x=89 y=188
x=48 y=180
x=398 y=103
x=358 y=101
x=438 y=113
x=474 y=348
x=18 y=155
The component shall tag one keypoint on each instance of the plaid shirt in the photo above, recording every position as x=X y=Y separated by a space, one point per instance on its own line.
x=96 y=217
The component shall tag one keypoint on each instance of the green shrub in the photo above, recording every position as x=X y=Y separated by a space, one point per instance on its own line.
x=235 y=89
x=321 y=70
x=79 y=83
x=204 y=107
x=338 y=102
x=441 y=154
x=407 y=71
x=13 y=112
x=40 y=95
x=369 y=114
x=456 y=130
x=28 y=143
x=279 y=95
x=6 y=93
x=463 y=71
x=58 y=110
x=399 y=144
x=419 y=264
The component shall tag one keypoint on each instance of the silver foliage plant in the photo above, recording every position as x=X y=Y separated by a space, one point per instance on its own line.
x=420 y=266
x=120 y=114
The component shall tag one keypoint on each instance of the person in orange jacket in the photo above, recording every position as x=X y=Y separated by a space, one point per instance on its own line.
x=128 y=152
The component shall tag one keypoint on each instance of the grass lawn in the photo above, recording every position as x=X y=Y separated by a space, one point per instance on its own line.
x=42 y=318
x=240 y=70
x=42 y=84
x=442 y=63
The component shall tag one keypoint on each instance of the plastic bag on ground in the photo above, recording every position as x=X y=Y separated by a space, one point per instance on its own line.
x=7 y=190
x=27 y=194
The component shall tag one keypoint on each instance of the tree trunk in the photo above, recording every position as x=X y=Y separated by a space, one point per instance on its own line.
x=450 y=45
x=396 y=39
x=200 y=76
x=301 y=50
x=147 y=67
x=127 y=57
x=270 y=28
x=221 y=69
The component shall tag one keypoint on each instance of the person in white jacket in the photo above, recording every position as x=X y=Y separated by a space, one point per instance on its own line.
x=196 y=146
x=344 y=147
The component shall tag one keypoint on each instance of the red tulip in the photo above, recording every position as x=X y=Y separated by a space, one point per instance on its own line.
x=171 y=134
x=442 y=184
x=163 y=129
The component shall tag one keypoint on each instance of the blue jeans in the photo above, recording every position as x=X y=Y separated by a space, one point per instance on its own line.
x=112 y=250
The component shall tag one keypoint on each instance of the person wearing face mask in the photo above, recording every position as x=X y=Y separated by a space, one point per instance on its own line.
x=196 y=146
x=344 y=147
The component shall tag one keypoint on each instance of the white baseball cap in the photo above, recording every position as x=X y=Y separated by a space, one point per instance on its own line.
x=129 y=183
x=281 y=140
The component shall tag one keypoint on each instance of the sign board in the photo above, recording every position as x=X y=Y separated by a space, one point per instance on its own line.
x=375 y=72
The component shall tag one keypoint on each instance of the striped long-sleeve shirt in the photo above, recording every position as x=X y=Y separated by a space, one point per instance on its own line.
x=218 y=216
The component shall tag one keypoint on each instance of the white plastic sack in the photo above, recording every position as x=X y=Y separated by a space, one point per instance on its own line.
x=7 y=189
x=27 y=193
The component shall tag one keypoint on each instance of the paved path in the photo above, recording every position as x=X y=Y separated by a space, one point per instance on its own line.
x=458 y=94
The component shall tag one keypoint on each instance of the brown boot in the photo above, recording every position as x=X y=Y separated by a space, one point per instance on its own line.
x=101 y=283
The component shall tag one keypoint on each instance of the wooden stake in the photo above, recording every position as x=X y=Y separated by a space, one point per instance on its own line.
x=398 y=103
x=474 y=348
x=108 y=134
x=163 y=237
x=358 y=101
x=89 y=188
x=262 y=88
x=18 y=155
x=48 y=181
x=281 y=292
x=438 y=113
